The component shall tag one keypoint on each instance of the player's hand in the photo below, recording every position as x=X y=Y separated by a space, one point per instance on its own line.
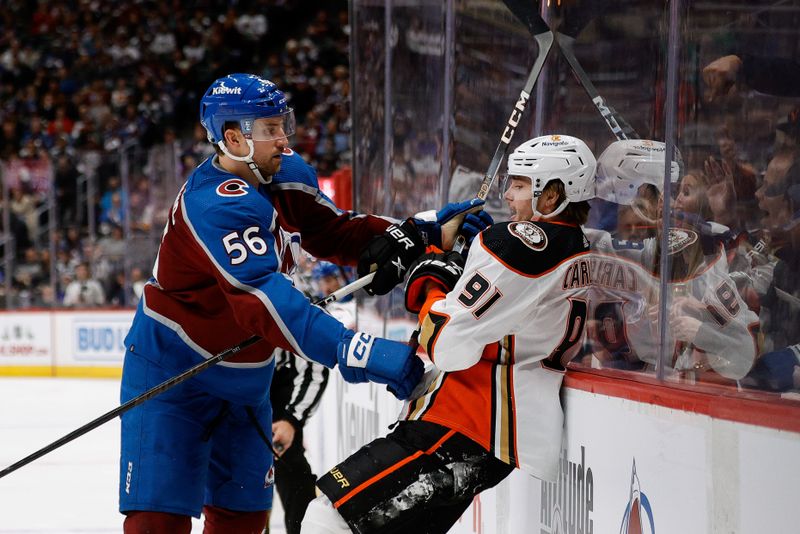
x=282 y=436
x=436 y=268
x=443 y=227
x=720 y=76
x=684 y=328
x=363 y=358
x=390 y=255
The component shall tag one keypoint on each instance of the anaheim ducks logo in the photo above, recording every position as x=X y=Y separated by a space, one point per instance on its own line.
x=530 y=234
x=680 y=239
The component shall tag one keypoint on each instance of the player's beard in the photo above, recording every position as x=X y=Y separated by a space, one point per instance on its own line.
x=269 y=166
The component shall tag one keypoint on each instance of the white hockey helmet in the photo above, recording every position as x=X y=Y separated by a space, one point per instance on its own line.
x=624 y=166
x=555 y=157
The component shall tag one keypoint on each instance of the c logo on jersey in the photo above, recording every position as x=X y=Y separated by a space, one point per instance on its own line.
x=287 y=151
x=680 y=239
x=531 y=235
x=235 y=187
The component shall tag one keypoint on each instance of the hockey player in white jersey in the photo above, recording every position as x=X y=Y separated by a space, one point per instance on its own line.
x=499 y=335
x=710 y=327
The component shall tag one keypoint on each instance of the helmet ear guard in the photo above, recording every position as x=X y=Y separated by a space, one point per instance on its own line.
x=555 y=157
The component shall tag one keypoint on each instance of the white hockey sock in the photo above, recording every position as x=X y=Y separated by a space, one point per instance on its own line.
x=322 y=518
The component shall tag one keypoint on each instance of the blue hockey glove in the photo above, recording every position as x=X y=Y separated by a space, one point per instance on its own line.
x=390 y=255
x=442 y=228
x=363 y=358
x=475 y=223
x=443 y=268
x=774 y=371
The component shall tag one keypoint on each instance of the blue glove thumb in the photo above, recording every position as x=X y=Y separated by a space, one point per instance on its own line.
x=475 y=223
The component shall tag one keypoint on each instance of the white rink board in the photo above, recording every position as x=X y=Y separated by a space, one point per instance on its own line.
x=25 y=339
x=91 y=338
x=693 y=474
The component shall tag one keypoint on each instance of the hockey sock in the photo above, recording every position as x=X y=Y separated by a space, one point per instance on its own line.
x=224 y=521
x=156 y=523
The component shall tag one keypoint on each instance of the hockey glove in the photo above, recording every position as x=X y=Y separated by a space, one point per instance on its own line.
x=442 y=268
x=442 y=227
x=390 y=255
x=363 y=358
x=775 y=371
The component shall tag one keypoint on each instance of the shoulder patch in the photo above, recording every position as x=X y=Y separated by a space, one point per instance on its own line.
x=531 y=235
x=681 y=239
x=531 y=249
x=233 y=187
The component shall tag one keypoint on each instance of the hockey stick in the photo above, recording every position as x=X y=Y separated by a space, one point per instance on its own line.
x=619 y=126
x=544 y=39
x=565 y=37
x=162 y=387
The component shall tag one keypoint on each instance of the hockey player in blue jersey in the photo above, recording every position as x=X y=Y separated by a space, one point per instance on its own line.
x=218 y=279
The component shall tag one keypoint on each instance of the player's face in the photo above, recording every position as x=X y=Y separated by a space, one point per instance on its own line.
x=518 y=196
x=267 y=154
x=329 y=284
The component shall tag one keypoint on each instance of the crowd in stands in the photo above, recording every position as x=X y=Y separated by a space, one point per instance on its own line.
x=81 y=80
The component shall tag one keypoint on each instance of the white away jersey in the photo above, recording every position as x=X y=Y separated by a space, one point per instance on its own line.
x=500 y=338
x=623 y=322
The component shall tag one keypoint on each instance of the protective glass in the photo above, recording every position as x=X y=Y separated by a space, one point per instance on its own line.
x=271 y=128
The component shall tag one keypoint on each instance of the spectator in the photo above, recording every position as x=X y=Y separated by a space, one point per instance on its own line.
x=84 y=291
x=770 y=75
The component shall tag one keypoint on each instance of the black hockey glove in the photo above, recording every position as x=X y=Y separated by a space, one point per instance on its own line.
x=443 y=268
x=390 y=255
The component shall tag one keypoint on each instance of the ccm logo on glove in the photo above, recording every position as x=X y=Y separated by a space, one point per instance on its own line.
x=356 y=351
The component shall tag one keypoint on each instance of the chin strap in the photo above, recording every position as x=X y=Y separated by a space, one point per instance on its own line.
x=553 y=213
x=247 y=159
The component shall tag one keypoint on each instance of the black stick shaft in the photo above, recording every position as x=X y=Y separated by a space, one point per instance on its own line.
x=618 y=125
x=544 y=39
x=147 y=395
x=152 y=392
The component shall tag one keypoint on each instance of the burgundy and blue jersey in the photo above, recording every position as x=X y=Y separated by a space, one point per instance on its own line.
x=220 y=276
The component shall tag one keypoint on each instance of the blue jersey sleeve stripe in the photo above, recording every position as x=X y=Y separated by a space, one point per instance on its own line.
x=319 y=196
x=260 y=295
x=175 y=327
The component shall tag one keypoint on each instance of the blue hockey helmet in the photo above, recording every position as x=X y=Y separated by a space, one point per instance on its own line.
x=322 y=269
x=245 y=98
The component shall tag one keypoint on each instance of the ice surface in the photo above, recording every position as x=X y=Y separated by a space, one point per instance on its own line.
x=72 y=490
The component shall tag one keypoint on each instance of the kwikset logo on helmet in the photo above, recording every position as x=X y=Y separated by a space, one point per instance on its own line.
x=222 y=90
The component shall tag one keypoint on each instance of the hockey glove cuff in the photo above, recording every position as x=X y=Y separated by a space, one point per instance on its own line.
x=442 y=227
x=363 y=358
x=443 y=269
x=390 y=255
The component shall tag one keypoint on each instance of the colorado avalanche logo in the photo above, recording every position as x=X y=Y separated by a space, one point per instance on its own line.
x=530 y=234
x=235 y=187
x=638 y=517
x=269 y=479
